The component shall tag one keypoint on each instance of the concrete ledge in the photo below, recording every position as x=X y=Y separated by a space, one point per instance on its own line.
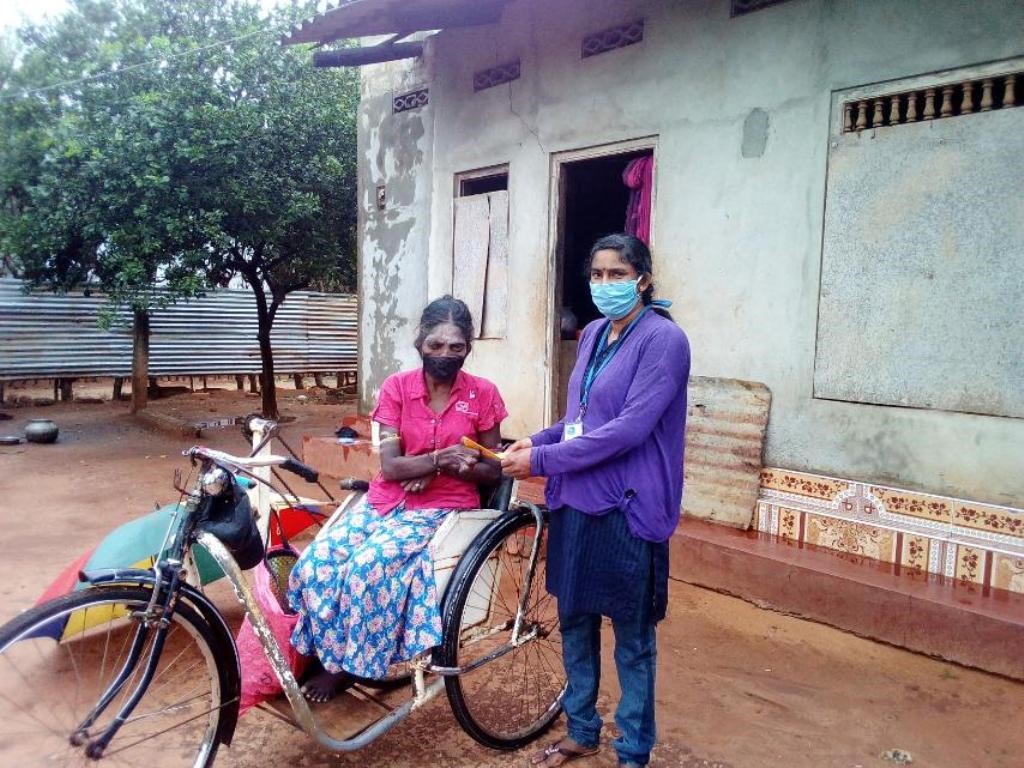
x=927 y=614
x=169 y=424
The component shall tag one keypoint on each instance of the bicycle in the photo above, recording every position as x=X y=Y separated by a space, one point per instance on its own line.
x=142 y=663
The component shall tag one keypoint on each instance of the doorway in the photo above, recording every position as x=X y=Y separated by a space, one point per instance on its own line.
x=592 y=201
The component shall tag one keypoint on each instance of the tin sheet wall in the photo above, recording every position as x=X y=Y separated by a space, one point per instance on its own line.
x=45 y=335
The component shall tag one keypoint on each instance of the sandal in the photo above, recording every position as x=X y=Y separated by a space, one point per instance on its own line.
x=564 y=753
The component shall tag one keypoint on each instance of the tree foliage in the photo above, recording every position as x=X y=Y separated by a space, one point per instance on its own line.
x=156 y=149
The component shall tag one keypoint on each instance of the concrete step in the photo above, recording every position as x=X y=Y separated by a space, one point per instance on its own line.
x=982 y=628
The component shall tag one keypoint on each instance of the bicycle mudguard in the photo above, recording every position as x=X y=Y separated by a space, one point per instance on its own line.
x=115 y=575
x=223 y=640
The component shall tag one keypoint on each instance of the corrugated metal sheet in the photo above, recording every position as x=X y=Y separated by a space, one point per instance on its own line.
x=43 y=335
x=725 y=429
x=361 y=18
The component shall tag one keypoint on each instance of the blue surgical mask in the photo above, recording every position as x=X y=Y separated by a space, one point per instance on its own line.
x=615 y=300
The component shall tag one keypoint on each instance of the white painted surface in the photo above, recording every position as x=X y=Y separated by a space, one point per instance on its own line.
x=494 y=324
x=737 y=240
x=472 y=241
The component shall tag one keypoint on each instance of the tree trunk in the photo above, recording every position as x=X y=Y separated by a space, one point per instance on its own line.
x=140 y=361
x=299 y=383
x=268 y=386
x=67 y=393
x=240 y=383
x=265 y=319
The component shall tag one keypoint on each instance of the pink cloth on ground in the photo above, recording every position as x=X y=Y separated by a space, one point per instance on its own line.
x=638 y=176
x=259 y=682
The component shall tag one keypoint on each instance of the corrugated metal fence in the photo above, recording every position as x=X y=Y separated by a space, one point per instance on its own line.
x=43 y=335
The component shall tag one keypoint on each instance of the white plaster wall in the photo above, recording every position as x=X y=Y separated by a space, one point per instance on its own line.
x=737 y=241
x=395 y=151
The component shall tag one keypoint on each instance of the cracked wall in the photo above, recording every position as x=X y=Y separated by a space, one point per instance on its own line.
x=740 y=108
x=395 y=156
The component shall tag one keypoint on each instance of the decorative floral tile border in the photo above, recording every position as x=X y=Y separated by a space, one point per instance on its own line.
x=974 y=544
x=970 y=565
x=919 y=505
x=915 y=552
x=802 y=484
x=999 y=520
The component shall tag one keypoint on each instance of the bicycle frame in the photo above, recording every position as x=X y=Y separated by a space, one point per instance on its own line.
x=221 y=633
x=166 y=579
x=423 y=691
x=166 y=582
x=517 y=640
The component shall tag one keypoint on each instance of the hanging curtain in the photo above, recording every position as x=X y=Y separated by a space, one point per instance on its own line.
x=638 y=176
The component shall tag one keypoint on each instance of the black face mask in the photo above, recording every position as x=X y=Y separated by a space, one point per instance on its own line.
x=442 y=368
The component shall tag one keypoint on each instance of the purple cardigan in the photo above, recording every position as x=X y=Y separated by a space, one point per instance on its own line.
x=630 y=455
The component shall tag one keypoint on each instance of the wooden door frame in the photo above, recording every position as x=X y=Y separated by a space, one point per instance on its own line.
x=556 y=217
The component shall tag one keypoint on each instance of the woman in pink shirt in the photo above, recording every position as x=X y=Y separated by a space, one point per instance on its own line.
x=365 y=593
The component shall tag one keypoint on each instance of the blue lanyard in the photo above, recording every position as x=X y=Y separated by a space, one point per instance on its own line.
x=601 y=356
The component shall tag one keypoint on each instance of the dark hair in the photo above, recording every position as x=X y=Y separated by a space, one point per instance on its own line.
x=636 y=253
x=447 y=309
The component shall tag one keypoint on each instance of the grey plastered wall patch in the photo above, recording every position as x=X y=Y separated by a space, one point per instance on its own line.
x=755 y=133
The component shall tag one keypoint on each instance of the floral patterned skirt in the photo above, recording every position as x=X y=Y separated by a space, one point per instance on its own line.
x=365 y=592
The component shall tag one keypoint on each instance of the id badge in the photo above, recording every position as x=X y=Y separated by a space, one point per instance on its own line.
x=571 y=430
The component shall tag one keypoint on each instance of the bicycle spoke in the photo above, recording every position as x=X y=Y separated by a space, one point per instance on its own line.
x=45 y=696
x=516 y=694
x=35 y=719
x=28 y=685
x=167 y=709
x=153 y=735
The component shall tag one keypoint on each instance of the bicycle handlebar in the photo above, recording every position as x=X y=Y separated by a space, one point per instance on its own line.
x=304 y=471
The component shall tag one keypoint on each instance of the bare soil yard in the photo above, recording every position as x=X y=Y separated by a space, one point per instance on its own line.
x=738 y=686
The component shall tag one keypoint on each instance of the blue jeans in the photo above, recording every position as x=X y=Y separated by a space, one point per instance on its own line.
x=635 y=660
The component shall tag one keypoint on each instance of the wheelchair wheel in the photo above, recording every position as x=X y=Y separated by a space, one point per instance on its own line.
x=57 y=660
x=510 y=700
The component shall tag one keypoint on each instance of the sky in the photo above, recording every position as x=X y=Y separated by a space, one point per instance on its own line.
x=14 y=12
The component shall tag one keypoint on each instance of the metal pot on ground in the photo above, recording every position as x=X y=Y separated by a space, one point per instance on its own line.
x=41 y=431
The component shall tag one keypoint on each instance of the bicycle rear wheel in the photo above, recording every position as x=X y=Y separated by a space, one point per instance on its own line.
x=510 y=700
x=58 y=659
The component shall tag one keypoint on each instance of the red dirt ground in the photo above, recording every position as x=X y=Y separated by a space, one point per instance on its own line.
x=738 y=686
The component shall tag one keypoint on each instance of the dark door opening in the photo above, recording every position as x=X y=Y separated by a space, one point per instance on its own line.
x=593 y=203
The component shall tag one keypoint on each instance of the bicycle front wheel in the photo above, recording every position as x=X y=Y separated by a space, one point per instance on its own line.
x=58 y=660
x=515 y=692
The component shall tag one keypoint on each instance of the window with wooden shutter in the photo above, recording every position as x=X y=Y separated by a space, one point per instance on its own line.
x=480 y=253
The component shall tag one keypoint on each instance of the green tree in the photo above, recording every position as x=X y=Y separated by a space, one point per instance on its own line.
x=157 y=149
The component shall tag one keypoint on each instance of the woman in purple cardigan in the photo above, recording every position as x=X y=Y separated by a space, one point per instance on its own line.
x=615 y=483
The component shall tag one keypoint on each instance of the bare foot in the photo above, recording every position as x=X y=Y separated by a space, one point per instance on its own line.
x=324 y=686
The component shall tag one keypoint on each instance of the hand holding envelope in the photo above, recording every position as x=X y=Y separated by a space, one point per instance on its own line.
x=515 y=460
x=485 y=452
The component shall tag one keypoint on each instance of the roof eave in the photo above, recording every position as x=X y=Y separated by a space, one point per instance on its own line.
x=363 y=18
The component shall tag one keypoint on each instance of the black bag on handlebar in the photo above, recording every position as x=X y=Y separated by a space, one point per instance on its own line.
x=229 y=517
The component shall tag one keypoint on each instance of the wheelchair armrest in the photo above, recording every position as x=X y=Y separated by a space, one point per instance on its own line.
x=354 y=484
x=497 y=496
